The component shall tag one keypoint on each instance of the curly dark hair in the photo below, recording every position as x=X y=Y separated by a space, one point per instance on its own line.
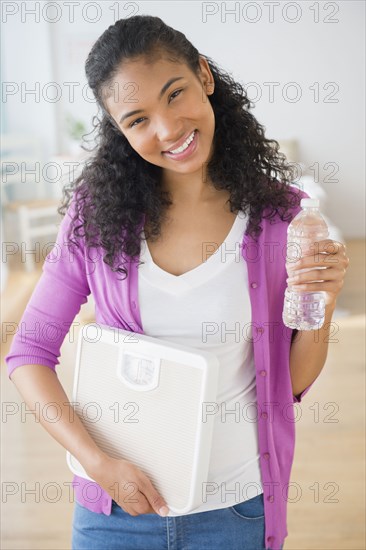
x=117 y=187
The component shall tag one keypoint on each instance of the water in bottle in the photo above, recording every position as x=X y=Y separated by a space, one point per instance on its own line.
x=305 y=310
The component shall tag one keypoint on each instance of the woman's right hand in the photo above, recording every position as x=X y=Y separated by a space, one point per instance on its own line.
x=128 y=486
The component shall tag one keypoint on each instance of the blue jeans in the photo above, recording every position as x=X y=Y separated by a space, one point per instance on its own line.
x=239 y=527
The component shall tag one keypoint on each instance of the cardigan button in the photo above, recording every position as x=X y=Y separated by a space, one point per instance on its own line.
x=263 y=373
x=270 y=539
x=264 y=415
x=266 y=456
x=253 y=285
x=260 y=330
x=270 y=498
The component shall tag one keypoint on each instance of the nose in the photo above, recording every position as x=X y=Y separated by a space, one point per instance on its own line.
x=168 y=131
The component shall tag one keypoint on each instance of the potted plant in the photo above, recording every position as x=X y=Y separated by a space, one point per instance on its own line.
x=75 y=130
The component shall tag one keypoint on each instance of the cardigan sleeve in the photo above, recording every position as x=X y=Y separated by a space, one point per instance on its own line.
x=298 y=398
x=56 y=299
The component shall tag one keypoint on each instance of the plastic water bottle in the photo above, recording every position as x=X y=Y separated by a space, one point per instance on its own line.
x=304 y=310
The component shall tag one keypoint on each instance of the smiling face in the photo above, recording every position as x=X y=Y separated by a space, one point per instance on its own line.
x=158 y=105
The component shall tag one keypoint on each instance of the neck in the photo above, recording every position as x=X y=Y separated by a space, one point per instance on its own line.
x=190 y=190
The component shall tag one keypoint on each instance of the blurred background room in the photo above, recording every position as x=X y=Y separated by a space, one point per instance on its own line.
x=305 y=74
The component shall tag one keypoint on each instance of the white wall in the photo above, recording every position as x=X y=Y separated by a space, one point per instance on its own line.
x=26 y=65
x=253 y=49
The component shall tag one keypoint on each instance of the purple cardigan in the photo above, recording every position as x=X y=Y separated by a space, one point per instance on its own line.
x=67 y=279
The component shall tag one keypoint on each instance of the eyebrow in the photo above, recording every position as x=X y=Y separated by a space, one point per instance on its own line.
x=161 y=93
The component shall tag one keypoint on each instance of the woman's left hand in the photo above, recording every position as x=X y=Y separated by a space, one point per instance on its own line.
x=328 y=255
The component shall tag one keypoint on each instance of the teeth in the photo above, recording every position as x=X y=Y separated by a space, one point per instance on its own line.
x=185 y=144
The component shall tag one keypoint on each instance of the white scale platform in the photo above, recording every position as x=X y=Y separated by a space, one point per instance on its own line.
x=144 y=399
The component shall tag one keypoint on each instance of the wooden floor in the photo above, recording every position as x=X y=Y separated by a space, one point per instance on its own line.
x=328 y=475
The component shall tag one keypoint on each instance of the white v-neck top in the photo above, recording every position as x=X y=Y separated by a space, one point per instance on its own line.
x=209 y=308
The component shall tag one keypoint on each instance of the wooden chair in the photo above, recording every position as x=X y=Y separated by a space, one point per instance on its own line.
x=21 y=170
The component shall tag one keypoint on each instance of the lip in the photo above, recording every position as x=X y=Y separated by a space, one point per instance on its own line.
x=180 y=142
x=187 y=152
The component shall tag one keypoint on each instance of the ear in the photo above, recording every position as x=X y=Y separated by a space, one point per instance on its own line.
x=207 y=77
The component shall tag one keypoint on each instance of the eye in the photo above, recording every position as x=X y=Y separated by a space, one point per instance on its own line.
x=141 y=118
x=133 y=123
x=176 y=91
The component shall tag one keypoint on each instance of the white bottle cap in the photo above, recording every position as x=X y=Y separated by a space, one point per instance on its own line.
x=309 y=203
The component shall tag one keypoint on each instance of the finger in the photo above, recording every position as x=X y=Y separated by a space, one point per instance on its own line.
x=329 y=246
x=313 y=275
x=136 y=505
x=156 y=501
x=318 y=260
x=330 y=286
x=325 y=247
x=158 y=504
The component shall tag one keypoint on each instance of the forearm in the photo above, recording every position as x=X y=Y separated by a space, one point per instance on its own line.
x=39 y=385
x=308 y=353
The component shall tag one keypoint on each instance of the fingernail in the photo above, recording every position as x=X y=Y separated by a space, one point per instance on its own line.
x=163 y=511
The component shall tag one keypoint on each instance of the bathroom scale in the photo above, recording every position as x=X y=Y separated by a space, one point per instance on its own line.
x=151 y=402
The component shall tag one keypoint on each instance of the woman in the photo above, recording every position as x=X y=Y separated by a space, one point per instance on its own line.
x=181 y=171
